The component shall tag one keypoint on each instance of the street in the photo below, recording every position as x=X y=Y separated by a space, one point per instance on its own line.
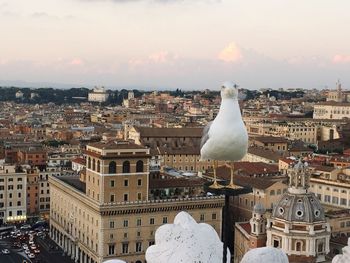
x=49 y=252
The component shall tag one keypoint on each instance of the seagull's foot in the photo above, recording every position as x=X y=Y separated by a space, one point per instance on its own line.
x=215 y=185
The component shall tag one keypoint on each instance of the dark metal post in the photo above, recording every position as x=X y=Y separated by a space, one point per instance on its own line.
x=226 y=229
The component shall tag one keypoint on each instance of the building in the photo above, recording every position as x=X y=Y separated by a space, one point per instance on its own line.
x=98 y=95
x=178 y=148
x=108 y=214
x=332 y=110
x=272 y=143
x=13 y=185
x=250 y=235
x=19 y=95
x=298 y=225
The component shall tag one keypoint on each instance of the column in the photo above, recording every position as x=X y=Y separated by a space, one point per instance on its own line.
x=308 y=246
x=81 y=257
x=69 y=247
x=76 y=253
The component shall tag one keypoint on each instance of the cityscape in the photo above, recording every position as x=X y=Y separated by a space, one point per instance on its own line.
x=167 y=131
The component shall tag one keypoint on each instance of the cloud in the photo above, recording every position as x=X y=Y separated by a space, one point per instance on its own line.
x=160 y=57
x=341 y=59
x=231 y=53
x=76 y=62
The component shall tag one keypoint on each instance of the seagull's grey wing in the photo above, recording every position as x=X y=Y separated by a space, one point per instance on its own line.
x=205 y=134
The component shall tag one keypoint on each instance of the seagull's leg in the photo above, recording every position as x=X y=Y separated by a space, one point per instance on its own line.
x=231 y=185
x=215 y=183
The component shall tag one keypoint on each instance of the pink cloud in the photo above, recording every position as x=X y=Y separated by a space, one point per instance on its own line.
x=339 y=59
x=160 y=57
x=230 y=53
x=76 y=62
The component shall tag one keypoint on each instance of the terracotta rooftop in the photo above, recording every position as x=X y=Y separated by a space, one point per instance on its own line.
x=259 y=181
x=169 y=132
x=79 y=160
x=265 y=153
x=178 y=182
x=246 y=227
x=116 y=145
x=271 y=139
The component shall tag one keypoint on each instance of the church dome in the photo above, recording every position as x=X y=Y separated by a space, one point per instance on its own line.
x=259 y=208
x=305 y=208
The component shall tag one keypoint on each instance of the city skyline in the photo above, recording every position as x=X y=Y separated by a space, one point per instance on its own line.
x=174 y=44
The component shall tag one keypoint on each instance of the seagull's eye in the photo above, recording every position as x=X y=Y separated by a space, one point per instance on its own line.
x=222 y=87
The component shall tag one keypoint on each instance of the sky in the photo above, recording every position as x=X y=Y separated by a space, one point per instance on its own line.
x=169 y=44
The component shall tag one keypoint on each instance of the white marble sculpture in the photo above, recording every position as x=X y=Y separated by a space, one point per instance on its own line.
x=186 y=241
x=114 y=261
x=265 y=254
x=345 y=257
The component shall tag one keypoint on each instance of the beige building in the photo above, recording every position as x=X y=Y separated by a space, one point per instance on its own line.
x=332 y=110
x=98 y=95
x=110 y=215
x=177 y=148
x=13 y=185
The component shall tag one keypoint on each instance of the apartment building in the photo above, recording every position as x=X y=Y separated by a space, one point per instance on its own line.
x=110 y=214
x=178 y=148
x=332 y=110
x=13 y=182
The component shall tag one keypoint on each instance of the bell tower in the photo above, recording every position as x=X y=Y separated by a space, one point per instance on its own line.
x=258 y=226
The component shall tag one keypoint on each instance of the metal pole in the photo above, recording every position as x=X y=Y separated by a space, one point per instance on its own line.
x=226 y=230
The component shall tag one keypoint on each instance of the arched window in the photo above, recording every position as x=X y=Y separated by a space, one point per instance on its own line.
x=89 y=163
x=98 y=166
x=139 y=166
x=94 y=165
x=298 y=246
x=126 y=167
x=112 y=167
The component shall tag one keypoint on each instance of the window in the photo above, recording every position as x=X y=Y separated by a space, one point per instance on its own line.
x=151 y=221
x=98 y=166
x=138 y=222
x=111 y=224
x=126 y=223
x=298 y=246
x=272 y=192
x=126 y=167
x=126 y=197
x=126 y=182
x=138 y=247
x=213 y=216
x=125 y=248
x=139 y=196
x=18 y=203
x=110 y=249
x=165 y=220
x=139 y=166
x=112 y=183
x=343 y=201
x=201 y=217
x=335 y=200
x=150 y=243
x=94 y=165
x=139 y=182
x=112 y=199
x=112 y=167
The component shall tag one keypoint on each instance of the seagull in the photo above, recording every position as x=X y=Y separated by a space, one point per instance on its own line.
x=225 y=138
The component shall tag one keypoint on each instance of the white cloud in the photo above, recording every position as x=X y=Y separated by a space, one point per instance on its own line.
x=231 y=53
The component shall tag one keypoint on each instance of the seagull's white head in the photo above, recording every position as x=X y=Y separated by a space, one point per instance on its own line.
x=229 y=90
